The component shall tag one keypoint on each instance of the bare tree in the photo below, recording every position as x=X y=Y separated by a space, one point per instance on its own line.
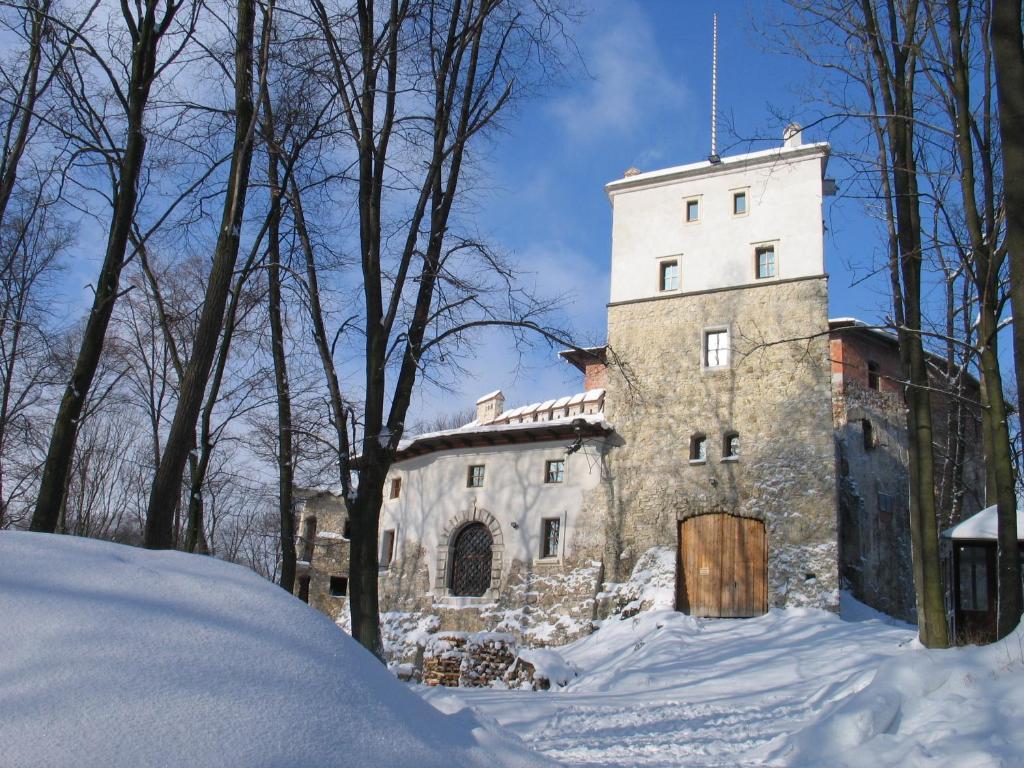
x=146 y=26
x=419 y=81
x=984 y=256
x=167 y=482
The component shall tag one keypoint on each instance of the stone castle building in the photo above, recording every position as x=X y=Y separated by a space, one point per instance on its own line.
x=726 y=418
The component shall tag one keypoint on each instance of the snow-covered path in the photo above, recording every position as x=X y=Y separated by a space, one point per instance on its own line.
x=663 y=689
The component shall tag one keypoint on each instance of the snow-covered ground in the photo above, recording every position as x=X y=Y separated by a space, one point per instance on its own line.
x=797 y=687
x=115 y=656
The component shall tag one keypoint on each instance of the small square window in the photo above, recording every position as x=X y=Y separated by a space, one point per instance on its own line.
x=764 y=255
x=554 y=471
x=668 y=278
x=396 y=488
x=475 y=477
x=550 y=527
x=693 y=210
x=698 y=448
x=387 y=548
x=716 y=349
x=739 y=203
x=339 y=586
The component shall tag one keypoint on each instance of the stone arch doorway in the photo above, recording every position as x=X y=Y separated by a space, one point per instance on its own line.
x=472 y=556
x=446 y=559
x=723 y=566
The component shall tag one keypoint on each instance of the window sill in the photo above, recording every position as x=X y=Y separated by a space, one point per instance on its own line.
x=730 y=459
x=548 y=561
x=695 y=462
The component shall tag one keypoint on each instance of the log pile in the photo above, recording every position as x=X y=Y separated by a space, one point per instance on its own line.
x=442 y=659
x=456 y=659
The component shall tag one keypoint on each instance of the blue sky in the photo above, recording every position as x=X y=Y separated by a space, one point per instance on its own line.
x=644 y=101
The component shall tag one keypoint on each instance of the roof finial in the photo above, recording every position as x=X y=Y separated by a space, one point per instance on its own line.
x=713 y=157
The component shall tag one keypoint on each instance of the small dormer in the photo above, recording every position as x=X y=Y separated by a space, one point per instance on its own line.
x=489 y=407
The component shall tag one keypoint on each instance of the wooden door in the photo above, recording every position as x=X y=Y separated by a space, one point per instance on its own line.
x=723 y=566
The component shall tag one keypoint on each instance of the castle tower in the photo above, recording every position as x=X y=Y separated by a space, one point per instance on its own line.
x=719 y=380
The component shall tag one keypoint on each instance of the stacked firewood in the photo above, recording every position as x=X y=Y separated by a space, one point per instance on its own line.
x=488 y=658
x=442 y=659
x=457 y=659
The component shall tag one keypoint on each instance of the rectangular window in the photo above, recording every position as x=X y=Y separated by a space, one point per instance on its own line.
x=693 y=210
x=475 y=477
x=739 y=203
x=550 y=527
x=873 y=381
x=973 y=579
x=716 y=348
x=554 y=471
x=698 y=448
x=765 y=258
x=339 y=586
x=396 y=488
x=668 y=279
x=387 y=548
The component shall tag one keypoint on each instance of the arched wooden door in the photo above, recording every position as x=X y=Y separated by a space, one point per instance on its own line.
x=723 y=567
x=471 y=561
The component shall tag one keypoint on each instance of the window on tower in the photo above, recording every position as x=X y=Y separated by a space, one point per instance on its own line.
x=764 y=257
x=716 y=348
x=668 y=279
x=739 y=203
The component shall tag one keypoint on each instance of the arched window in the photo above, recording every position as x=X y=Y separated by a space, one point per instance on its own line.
x=699 y=447
x=731 y=445
x=471 y=561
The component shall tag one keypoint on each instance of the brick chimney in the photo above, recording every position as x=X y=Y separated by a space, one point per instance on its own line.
x=489 y=407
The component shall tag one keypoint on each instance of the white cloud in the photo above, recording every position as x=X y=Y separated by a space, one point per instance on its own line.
x=630 y=80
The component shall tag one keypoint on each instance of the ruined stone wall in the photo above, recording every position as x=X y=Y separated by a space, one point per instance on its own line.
x=875 y=562
x=775 y=394
x=875 y=553
x=330 y=550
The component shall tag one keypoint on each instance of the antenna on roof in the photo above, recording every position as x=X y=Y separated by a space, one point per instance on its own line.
x=713 y=158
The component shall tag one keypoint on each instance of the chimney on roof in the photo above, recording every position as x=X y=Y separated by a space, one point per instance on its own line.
x=489 y=407
x=793 y=135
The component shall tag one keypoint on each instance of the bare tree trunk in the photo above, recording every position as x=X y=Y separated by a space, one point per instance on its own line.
x=285 y=470
x=145 y=35
x=1008 y=53
x=987 y=261
x=896 y=71
x=167 y=483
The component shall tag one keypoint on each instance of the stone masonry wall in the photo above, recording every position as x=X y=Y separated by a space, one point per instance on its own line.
x=775 y=394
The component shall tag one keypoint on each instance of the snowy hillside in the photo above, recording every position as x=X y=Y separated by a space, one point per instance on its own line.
x=797 y=687
x=115 y=656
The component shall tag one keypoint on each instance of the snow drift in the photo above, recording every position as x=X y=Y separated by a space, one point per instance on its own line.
x=115 y=656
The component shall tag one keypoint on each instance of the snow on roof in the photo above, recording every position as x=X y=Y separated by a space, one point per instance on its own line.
x=983 y=525
x=592 y=419
x=692 y=169
x=121 y=657
x=488 y=396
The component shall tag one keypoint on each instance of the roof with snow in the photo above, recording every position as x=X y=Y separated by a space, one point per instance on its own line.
x=983 y=525
x=579 y=415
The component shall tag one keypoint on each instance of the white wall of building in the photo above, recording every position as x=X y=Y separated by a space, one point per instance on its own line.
x=784 y=197
x=434 y=490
